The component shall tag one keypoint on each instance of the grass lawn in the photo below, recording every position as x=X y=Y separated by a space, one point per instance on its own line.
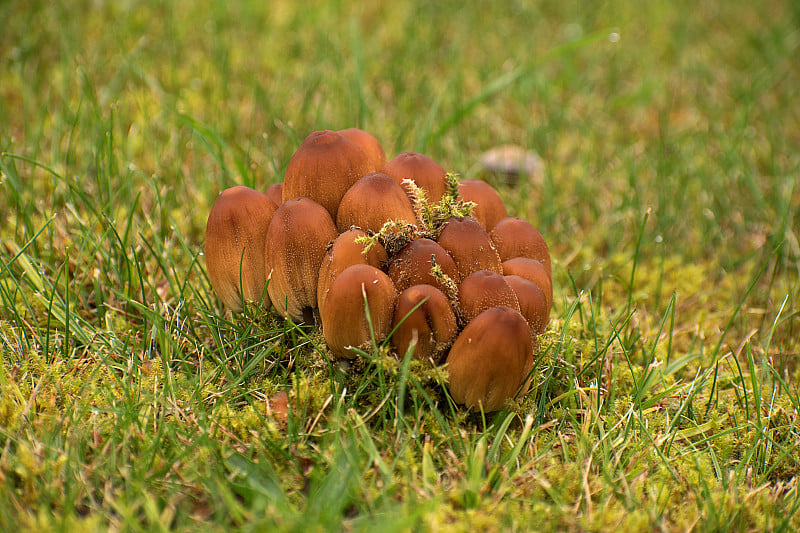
x=667 y=393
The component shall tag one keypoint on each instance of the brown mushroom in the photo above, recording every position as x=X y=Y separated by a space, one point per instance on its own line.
x=484 y=289
x=413 y=263
x=345 y=252
x=516 y=237
x=372 y=201
x=423 y=317
x=532 y=303
x=490 y=359
x=324 y=166
x=422 y=170
x=368 y=143
x=532 y=270
x=345 y=324
x=234 y=246
x=469 y=245
x=275 y=193
x=489 y=207
x=295 y=245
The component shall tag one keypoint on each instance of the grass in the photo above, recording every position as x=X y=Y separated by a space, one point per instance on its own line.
x=666 y=393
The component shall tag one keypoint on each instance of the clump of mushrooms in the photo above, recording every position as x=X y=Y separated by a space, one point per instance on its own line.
x=392 y=252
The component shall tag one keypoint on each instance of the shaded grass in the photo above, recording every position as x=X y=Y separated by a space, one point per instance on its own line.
x=666 y=393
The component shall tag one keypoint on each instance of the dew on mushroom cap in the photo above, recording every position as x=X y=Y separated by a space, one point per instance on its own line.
x=372 y=201
x=516 y=237
x=414 y=262
x=368 y=143
x=484 y=289
x=422 y=170
x=469 y=245
x=532 y=270
x=489 y=207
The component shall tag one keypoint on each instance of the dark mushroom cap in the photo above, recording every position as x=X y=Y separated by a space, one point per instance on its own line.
x=371 y=202
x=234 y=246
x=423 y=316
x=532 y=303
x=324 y=166
x=484 y=289
x=422 y=170
x=532 y=270
x=345 y=252
x=516 y=237
x=295 y=245
x=344 y=314
x=489 y=207
x=469 y=245
x=412 y=265
x=490 y=359
x=368 y=143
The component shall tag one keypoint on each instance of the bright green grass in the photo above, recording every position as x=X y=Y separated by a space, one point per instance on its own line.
x=666 y=396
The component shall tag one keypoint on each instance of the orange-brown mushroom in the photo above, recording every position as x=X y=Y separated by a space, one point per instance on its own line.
x=422 y=170
x=368 y=143
x=489 y=207
x=532 y=303
x=345 y=324
x=423 y=317
x=413 y=263
x=484 y=289
x=275 y=193
x=469 y=245
x=490 y=359
x=345 y=252
x=295 y=245
x=324 y=166
x=234 y=246
x=532 y=270
x=371 y=202
x=516 y=237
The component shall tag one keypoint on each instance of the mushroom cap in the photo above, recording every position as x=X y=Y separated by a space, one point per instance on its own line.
x=516 y=237
x=234 y=245
x=484 y=289
x=490 y=359
x=423 y=315
x=345 y=252
x=412 y=265
x=324 y=166
x=532 y=303
x=469 y=246
x=345 y=324
x=371 y=202
x=368 y=143
x=422 y=170
x=489 y=207
x=275 y=193
x=532 y=270
x=295 y=245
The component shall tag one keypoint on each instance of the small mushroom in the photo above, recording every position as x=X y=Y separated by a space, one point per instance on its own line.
x=469 y=245
x=345 y=252
x=516 y=237
x=423 y=316
x=345 y=324
x=275 y=193
x=413 y=264
x=422 y=170
x=533 y=271
x=371 y=202
x=368 y=143
x=324 y=166
x=490 y=359
x=295 y=245
x=532 y=303
x=510 y=162
x=234 y=246
x=489 y=207
x=484 y=289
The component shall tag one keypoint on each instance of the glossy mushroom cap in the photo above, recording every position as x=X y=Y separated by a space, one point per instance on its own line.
x=469 y=246
x=371 y=202
x=295 y=245
x=532 y=303
x=489 y=207
x=422 y=170
x=368 y=143
x=484 y=289
x=516 y=237
x=531 y=270
x=323 y=168
x=344 y=314
x=423 y=317
x=234 y=246
x=413 y=263
x=490 y=359
x=275 y=193
x=345 y=252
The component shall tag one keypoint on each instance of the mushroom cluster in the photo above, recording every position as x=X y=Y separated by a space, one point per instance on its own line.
x=401 y=250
